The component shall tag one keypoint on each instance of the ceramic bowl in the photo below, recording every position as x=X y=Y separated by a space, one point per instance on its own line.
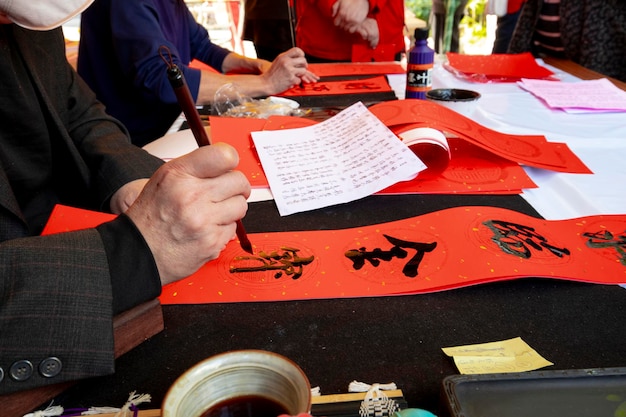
x=238 y=374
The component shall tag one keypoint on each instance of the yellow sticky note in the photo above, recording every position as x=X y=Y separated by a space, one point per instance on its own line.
x=512 y=355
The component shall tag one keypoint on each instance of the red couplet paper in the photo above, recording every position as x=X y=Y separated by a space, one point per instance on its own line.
x=496 y=67
x=471 y=170
x=531 y=150
x=356 y=68
x=375 y=84
x=447 y=249
x=236 y=132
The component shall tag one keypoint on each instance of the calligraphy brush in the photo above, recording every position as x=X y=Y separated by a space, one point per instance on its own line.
x=292 y=28
x=181 y=89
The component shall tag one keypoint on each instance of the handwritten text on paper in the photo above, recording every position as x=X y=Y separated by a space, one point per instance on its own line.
x=347 y=157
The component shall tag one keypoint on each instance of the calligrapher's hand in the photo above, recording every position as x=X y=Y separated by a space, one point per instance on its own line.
x=126 y=195
x=288 y=70
x=349 y=14
x=188 y=209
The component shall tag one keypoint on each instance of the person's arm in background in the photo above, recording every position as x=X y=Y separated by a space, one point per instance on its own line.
x=253 y=77
x=288 y=70
x=139 y=36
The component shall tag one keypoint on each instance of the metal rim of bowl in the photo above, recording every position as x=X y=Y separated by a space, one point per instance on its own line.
x=452 y=97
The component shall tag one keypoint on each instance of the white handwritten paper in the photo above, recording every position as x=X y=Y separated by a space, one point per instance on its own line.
x=582 y=96
x=342 y=159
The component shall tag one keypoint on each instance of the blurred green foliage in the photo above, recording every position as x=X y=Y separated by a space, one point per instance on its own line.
x=475 y=19
x=420 y=8
x=473 y=24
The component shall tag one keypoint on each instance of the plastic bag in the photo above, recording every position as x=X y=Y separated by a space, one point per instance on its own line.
x=229 y=102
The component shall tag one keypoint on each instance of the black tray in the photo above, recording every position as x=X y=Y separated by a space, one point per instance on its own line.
x=571 y=393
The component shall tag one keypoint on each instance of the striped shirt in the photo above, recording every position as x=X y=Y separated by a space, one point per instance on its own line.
x=547 y=38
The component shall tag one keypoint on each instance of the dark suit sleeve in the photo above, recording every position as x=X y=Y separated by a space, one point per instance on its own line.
x=56 y=291
x=58 y=294
x=134 y=275
x=55 y=302
x=97 y=146
x=104 y=145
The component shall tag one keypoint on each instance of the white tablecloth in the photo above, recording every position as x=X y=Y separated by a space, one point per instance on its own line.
x=598 y=139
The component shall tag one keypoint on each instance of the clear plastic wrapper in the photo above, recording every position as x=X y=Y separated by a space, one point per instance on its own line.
x=229 y=102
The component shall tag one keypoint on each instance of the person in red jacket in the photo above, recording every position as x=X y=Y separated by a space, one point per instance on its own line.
x=342 y=30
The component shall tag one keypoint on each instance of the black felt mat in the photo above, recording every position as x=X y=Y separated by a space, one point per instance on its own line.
x=386 y=339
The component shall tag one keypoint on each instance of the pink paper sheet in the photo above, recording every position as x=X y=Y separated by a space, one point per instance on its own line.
x=591 y=95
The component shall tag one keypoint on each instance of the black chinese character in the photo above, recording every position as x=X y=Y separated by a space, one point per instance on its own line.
x=519 y=240
x=287 y=262
x=359 y=256
x=601 y=240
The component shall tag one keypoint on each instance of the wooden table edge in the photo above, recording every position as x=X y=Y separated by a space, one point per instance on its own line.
x=579 y=71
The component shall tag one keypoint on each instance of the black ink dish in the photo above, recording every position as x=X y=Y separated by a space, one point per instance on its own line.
x=461 y=101
x=452 y=94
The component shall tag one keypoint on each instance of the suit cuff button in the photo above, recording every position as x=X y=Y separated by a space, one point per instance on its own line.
x=21 y=370
x=50 y=367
